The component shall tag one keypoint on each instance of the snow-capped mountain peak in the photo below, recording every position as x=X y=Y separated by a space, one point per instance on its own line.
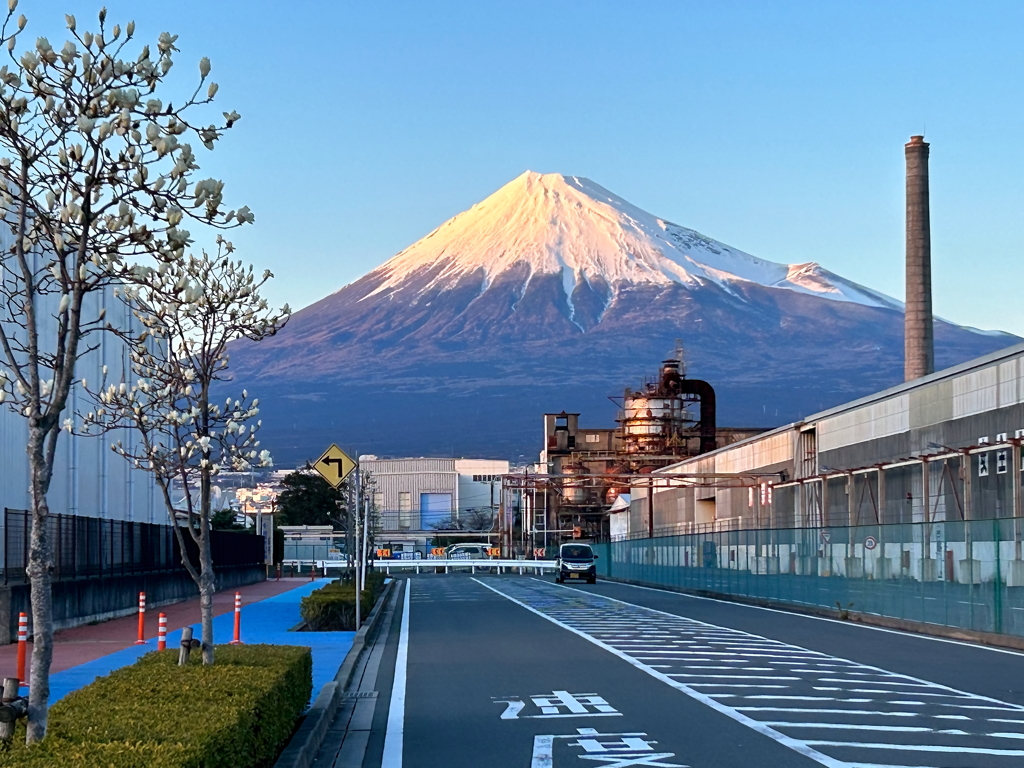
x=551 y=224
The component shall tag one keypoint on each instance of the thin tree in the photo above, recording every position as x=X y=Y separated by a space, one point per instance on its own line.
x=189 y=311
x=94 y=172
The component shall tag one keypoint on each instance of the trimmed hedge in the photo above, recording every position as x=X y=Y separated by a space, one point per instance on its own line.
x=333 y=608
x=238 y=713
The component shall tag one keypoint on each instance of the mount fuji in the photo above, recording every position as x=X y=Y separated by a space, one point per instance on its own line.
x=550 y=295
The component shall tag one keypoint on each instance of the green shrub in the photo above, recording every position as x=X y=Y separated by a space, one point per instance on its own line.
x=238 y=713
x=333 y=608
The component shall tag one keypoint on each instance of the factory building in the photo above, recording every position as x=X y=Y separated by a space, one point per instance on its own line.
x=417 y=497
x=108 y=524
x=89 y=480
x=922 y=462
x=943 y=447
x=583 y=472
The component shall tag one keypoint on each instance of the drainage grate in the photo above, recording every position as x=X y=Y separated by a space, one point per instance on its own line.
x=359 y=695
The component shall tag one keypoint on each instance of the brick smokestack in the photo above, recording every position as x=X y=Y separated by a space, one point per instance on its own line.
x=919 y=344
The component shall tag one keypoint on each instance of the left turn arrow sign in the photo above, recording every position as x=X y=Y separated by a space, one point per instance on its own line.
x=335 y=465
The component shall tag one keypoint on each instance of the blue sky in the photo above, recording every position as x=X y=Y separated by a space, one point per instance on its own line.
x=777 y=128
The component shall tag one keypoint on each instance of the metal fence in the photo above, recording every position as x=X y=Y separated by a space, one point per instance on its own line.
x=965 y=574
x=90 y=547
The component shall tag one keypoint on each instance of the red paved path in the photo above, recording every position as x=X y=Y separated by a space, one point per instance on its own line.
x=81 y=644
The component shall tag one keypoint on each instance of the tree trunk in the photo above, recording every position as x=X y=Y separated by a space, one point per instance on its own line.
x=207 y=586
x=40 y=558
x=207 y=583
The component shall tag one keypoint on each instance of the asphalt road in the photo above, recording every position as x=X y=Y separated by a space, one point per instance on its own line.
x=517 y=671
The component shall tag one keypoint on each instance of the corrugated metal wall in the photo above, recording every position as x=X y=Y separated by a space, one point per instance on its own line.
x=413 y=476
x=89 y=479
x=960 y=407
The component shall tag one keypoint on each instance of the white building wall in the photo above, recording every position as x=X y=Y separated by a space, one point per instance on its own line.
x=774 y=449
x=413 y=476
x=975 y=392
x=881 y=419
x=479 y=483
x=88 y=478
x=468 y=481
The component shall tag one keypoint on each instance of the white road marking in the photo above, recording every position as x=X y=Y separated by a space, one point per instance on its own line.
x=627 y=631
x=394 y=739
x=793 y=744
x=922 y=748
x=915 y=635
x=806 y=711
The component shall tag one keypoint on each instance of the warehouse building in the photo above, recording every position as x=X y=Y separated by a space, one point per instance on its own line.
x=420 y=494
x=945 y=448
x=900 y=451
x=89 y=480
x=108 y=523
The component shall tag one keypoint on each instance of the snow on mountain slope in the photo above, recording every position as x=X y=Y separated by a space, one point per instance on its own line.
x=572 y=226
x=549 y=295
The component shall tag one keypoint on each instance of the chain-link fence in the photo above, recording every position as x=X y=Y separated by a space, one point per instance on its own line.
x=89 y=547
x=966 y=574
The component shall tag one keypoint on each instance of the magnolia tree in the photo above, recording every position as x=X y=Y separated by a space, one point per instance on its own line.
x=96 y=173
x=189 y=311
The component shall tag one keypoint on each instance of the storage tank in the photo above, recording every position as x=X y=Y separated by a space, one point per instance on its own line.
x=649 y=419
x=574 y=488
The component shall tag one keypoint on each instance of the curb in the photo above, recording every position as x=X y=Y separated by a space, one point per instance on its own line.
x=303 y=746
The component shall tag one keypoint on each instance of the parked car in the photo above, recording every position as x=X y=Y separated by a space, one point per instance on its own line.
x=576 y=562
x=467 y=552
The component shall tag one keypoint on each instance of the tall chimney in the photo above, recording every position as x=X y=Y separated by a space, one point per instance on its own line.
x=919 y=344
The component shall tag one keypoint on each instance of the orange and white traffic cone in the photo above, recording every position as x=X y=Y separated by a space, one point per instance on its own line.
x=161 y=633
x=142 y=619
x=238 y=620
x=22 y=646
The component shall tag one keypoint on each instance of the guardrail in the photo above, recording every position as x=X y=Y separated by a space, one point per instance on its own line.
x=502 y=566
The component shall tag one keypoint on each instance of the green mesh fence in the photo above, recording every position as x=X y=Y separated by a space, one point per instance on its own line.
x=958 y=574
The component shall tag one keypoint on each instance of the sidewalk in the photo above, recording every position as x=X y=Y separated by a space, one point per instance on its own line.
x=269 y=610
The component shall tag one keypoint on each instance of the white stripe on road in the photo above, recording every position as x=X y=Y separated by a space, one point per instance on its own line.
x=954 y=693
x=394 y=740
x=797 y=746
x=921 y=748
x=589 y=616
x=812 y=617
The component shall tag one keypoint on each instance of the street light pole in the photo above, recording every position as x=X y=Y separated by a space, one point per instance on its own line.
x=357 y=495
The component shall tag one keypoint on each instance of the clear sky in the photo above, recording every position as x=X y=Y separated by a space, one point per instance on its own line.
x=777 y=128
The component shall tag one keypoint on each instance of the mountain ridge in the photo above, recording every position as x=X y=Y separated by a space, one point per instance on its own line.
x=570 y=225
x=551 y=294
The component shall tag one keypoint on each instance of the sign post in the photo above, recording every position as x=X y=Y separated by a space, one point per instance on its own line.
x=335 y=466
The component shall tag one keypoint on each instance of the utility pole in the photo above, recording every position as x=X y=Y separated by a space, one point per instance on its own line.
x=364 y=549
x=357 y=495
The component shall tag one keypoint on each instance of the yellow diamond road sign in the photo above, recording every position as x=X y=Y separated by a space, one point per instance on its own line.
x=334 y=466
